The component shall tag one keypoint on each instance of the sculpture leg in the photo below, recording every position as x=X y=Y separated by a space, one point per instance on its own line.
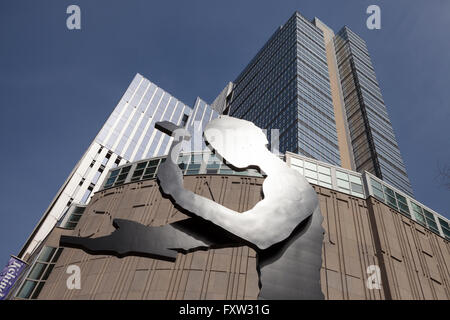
x=291 y=269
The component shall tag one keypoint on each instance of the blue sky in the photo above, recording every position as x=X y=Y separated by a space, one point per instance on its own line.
x=57 y=87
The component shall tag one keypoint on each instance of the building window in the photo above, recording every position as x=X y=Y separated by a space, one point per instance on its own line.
x=445 y=228
x=73 y=219
x=213 y=164
x=224 y=169
x=194 y=164
x=431 y=222
x=393 y=199
x=418 y=213
x=117 y=177
x=184 y=120
x=402 y=204
x=39 y=273
x=297 y=164
x=112 y=178
x=144 y=170
x=356 y=185
x=97 y=175
x=123 y=175
x=106 y=159
x=377 y=190
x=390 y=197
x=139 y=170
x=151 y=169
x=86 y=195
x=117 y=162
x=342 y=181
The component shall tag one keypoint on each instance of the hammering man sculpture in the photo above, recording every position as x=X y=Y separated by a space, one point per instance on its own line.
x=284 y=228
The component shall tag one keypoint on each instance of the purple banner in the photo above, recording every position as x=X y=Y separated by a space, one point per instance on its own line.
x=9 y=275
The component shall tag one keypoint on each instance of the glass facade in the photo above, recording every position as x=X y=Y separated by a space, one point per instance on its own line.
x=445 y=226
x=409 y=207
x=286 y=87
x=129 y=134
x=130 y=130
x=373 y=141
x=190 y=164
x=71 y=218
x=328 y=176
x=201 y=115
x=390 y=197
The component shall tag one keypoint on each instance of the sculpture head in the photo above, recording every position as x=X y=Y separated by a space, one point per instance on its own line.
x=239 y=142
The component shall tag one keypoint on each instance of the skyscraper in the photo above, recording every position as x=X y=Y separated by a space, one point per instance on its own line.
x=320 y=91
x=286 y=86
x=375 y=148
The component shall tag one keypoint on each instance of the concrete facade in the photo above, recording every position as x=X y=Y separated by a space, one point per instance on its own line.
x=414 y=262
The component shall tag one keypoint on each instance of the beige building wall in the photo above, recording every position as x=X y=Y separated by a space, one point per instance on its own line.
x=358 y=233
x=348 y=248
x=228 y=273
x=345 y=147
x=415 y=260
